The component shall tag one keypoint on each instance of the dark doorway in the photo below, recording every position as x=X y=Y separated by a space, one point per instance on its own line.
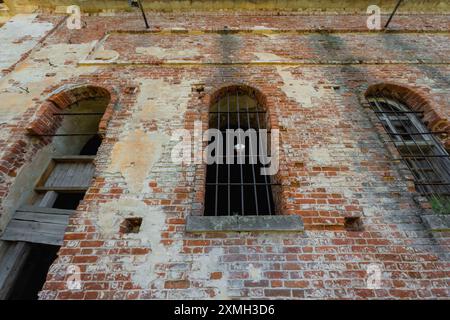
x=34 y=272
x=68 y=201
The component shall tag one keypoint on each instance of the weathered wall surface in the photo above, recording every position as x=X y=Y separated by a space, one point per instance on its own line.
x=29 y=6
x=335 y=161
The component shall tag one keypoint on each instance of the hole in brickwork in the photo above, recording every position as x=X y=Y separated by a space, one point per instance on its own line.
x=353 y=224
x=131 y=90
x=131 y=225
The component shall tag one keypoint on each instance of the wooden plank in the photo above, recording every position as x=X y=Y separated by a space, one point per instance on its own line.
x=46 y=174
x=33 y=237
x=36 y=227
x=86 y=174
x=49 y=199
x=45 y=210
x=70 y=175
x=42 y=217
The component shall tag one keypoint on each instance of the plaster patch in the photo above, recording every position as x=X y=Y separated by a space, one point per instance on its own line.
x=144 y=273
x=254 y=273
x=159 y=99
x=151 y=229
x=29 y=79
x=203 y=265
x=134 y=156
x=300 y=90
x=111 y=214
x=168 y=53
x=268 y=57
x=320 y=156
x=19 y=35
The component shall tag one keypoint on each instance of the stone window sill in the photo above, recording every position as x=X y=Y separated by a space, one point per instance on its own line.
x=286 y=223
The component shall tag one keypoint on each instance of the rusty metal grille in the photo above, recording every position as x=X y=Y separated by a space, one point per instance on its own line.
x=238 y=189
x=419 y=148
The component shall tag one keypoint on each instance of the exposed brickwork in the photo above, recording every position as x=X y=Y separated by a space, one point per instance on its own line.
x=335 y=161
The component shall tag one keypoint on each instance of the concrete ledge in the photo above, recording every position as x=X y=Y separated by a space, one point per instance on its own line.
x=437 y=222
x=292 y=223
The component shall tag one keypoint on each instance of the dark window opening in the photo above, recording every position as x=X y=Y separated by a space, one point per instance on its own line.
x=420 y=150
x=238 y=189
x=34 y=272
x=67 y=177
x=91 y=147
x=68 y=201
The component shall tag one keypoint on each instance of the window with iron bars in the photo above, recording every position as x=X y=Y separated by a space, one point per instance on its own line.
x=419 y=148
x=238 y=188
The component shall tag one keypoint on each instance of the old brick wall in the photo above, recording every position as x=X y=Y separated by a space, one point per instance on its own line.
x=335 y=162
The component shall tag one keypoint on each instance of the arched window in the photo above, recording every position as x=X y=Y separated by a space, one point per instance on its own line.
x=236 y=186
x=37 y=228
x=420 y=149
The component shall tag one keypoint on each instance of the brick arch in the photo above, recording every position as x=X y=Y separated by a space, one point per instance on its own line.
x=216 y=93
x=416 y=100
x=266 y=103
x=44 y=122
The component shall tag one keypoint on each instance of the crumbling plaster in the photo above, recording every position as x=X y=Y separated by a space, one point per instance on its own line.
x=19 y=35
x=209 y=5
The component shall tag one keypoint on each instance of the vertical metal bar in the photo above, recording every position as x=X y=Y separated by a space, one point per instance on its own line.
x=265 y=176
x=393 y=13
x=421 y=152
x=240 y=164
x=391 y=131
x=143 y=14
x=226 y=158
x=250 y=157
x=217 y=161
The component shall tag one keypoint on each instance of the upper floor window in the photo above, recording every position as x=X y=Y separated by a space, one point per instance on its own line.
x=420 y=149
x=236 y=186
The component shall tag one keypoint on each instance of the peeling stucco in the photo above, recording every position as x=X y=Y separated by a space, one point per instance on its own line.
x=268 y=57
x=302 y=90
x=133 y=168
x=111 y=215
x=320 y=156
x=159 y=99
x=168 y=53
x=19 y=35
x=46 y=67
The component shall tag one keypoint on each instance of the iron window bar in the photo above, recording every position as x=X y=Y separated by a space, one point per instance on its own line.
x=399 y=112
x=433 y=180
x=418 y=133
x=423 y=156
x=433 y=183
x=393 y=13
x=235 y=112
